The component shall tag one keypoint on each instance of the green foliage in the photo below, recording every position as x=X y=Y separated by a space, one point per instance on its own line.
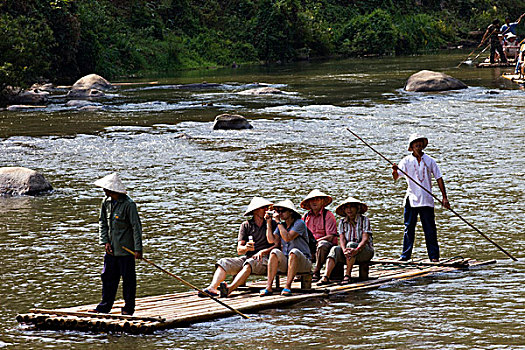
x=373 y=34
x=65 y=39
x=25 y=50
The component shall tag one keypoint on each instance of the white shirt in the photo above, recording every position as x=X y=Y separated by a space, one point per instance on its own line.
x=420 y=172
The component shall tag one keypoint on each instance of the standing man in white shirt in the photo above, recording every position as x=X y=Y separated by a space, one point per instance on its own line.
x=420 y=167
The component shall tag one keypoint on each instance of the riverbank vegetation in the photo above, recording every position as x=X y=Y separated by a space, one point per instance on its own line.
x=61 y=40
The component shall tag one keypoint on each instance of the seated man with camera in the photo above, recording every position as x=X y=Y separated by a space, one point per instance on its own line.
x=253 y=244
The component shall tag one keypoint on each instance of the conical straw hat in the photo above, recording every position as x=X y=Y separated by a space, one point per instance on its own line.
x=111 y=182
x=288 y=205
x=314 y=194
x=415 y=137
x=351 y=200
x=256 y=203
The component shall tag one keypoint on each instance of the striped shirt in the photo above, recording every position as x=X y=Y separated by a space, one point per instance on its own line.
x=353 y=231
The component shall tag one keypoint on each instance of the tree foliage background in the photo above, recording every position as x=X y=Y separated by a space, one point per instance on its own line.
x=61 y=40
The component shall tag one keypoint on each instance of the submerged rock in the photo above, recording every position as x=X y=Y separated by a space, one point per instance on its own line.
x=22 y=181
x=85 y=93
x=427 y=80
x=262 y=91
x=30 y=97
x=231 y=122
x=24 y=107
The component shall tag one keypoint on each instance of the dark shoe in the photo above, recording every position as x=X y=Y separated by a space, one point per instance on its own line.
x=346 y=280
x=402 y=258
x=126 y=313
x=434 y=260
x=223 y=290
x=316 y=277
x=323 y=281
x=207 y=295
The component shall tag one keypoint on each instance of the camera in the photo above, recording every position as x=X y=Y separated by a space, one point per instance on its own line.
x=270 y=213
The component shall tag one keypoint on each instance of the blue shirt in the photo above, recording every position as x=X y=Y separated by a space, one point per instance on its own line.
x=300 y=242
x=511 y=28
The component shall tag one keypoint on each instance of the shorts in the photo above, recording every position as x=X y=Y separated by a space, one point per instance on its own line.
x=303 y=263
x=366 y=254
x=233 y=266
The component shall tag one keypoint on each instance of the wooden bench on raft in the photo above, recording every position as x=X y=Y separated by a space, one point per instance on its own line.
x=306 y=277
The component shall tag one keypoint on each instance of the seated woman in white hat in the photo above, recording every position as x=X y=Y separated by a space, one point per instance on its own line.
x=294 y=257
x=252 y=244
x=321 y=222
x=355 y=239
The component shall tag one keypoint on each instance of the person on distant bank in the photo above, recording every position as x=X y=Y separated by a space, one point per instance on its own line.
x=295 y=254
x=321 y=222
x=493 y=34
x=420 y=167
x=252 y=243
x=119 y=225
x=355 y=239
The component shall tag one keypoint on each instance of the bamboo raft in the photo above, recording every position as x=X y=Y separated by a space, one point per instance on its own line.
x=180 y=309
x=487 y=64
x=515 y=78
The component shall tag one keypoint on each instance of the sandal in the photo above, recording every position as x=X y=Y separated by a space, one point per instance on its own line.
x=223 y=290
x=324 y=280
x=316 y=277
x=346 y=280
x=286 y=292
x=206 y=294
x=265 y=292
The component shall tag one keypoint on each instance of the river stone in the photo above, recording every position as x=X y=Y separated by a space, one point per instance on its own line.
x=427 y=80
x=84 y=93
x=262 y=91
x=30 y=97
x=24 y=107
x=231 y=122
x=22 y=181
x=92 y=81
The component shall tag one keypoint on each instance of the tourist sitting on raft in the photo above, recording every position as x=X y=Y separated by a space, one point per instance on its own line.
x=355 y=240
x=251 y=243
x=511 y=47
x=323 y=225
x=294 y=257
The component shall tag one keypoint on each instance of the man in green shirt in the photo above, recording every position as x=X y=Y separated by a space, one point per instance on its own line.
x=119 y=225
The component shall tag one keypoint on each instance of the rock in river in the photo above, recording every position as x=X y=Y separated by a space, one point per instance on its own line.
x=262 y=91
x=90 y=86
x=231 y=122
x=427 y=80
x=20 y=181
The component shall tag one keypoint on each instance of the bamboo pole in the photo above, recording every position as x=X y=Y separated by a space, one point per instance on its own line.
x=189 y=284
x=435 y=197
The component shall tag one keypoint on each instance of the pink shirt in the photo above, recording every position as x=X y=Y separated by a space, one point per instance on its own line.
x=318 y=227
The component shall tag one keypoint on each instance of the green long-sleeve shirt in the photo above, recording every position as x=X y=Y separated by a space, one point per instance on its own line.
x=119 y=224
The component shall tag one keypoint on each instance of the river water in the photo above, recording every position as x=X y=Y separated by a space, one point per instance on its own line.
x=192 y=192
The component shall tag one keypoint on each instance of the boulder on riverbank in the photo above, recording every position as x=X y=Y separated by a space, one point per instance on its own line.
x=16 y=181
x=427 y=80
x=231 y=122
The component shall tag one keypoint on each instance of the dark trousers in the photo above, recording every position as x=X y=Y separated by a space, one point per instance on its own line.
x=497 y=46
x=428 y=222
x=114 y=267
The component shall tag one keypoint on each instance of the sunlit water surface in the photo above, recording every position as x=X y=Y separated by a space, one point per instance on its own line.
x=191 y=194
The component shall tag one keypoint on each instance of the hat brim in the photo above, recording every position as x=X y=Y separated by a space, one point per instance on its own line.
x=327 y=200
x=424 y=139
